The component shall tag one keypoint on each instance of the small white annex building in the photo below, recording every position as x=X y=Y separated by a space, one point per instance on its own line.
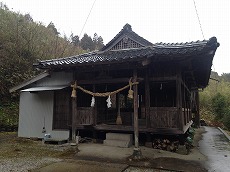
x=37 y=105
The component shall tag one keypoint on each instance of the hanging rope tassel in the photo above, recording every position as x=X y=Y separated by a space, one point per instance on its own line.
x=109 y=103
x=130 y=94
x=74 y=92
x=93 y=102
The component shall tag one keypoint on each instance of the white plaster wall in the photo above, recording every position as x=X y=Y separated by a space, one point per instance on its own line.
x=36 y=110
x=56 y=78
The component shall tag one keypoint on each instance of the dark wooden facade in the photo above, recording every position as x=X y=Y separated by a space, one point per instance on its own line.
x=165 y=100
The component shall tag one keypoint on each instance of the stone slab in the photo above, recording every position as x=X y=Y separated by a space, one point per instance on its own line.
x=119 y=136
x=117 y=143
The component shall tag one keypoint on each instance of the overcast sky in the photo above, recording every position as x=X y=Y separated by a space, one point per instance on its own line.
x=167 y=21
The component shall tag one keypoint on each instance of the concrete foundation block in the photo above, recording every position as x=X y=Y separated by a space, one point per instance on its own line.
x=117 y=143
x=119 y=136
x=118 y=140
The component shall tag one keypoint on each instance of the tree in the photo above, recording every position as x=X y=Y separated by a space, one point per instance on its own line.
x=3 y=6
x=97 y=41
x=52 y=27
x=226 y=77
x=22 y=42
x=28 y=18
x=95 y=38
x=75 y=40
x=100 y=43
x=87 y=43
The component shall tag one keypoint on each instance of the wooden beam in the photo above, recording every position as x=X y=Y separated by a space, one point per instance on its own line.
x=112 y=65
x=170 y=78
x=107 y=81
x=104 y=127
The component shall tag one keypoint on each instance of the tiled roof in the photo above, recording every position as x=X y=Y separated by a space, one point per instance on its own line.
x=156 y=50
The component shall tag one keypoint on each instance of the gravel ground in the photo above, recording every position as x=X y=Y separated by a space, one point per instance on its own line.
x=24 y=164
x=23 y=155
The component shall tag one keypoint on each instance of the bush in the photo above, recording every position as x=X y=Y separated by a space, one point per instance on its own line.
x=226 y=119
x=219 y=105
x=9 y=117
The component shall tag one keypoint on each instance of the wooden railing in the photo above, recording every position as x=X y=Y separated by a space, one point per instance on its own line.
x=85 y=116
x=163 y=117
x=187 y=115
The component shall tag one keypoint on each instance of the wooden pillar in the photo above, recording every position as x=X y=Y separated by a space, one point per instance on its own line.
x=190 y=106
x=135 y=110
x=94 y=108
x=95 y=136
x=179 y=102
x=197 y=115
x=147 y=99
x=74 y=114
x=118 y=103
x=185 y=107
x=137 y=151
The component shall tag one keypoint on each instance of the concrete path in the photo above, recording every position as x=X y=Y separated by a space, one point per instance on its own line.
x=216 y=147
x=98 y=158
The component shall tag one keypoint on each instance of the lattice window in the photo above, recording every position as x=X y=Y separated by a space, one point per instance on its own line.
x=126 y=43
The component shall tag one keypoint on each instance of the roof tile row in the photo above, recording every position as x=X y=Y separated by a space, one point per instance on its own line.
x=158 y=49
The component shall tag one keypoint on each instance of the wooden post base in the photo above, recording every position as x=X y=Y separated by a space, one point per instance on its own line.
x=137 y=154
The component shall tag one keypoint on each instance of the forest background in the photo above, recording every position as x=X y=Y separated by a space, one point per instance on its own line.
x=23 y=42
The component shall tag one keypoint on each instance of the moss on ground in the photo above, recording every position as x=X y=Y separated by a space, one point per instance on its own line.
x=11 y=146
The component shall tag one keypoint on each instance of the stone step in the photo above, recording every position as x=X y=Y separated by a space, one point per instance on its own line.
x=119 y=140
x=119 y=136
x=117 y=143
